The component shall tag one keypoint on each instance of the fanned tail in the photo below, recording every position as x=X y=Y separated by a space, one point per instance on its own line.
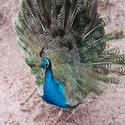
x=70 y=33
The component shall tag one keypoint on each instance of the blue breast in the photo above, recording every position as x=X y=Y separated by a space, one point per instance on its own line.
x=53 y=90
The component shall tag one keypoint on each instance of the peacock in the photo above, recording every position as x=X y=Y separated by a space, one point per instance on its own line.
x=66 y=48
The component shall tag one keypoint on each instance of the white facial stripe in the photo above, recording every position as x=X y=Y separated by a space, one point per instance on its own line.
x=47 y=62
x=43 y=70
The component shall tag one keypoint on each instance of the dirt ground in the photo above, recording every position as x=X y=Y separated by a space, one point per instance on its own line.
x=20 y=103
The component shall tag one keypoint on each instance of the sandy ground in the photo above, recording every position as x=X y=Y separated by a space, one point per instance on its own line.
x=20 y=103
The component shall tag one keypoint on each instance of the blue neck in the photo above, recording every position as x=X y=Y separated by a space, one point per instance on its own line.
x=49 y=74
x=53 y=90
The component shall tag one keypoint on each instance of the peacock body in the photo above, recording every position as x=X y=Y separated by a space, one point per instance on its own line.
x=69 y=37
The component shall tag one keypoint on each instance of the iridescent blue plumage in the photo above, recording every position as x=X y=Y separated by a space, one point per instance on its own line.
x=53 y=89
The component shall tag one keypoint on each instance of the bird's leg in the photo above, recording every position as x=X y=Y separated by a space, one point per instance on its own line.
x=59 y=115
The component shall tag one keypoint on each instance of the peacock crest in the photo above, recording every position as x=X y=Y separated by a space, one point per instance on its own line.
x=71 y=34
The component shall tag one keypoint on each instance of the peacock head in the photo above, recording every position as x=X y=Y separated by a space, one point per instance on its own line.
x=45 y=63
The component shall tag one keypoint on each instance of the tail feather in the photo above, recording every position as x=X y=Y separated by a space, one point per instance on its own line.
x=93 y=16
x=72 y=15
